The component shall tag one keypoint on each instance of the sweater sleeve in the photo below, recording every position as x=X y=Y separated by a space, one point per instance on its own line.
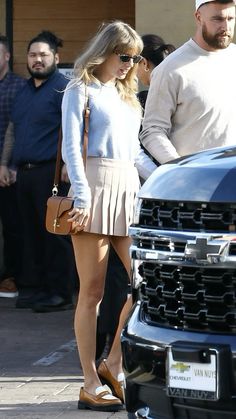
x=72 y=128
x=160 y=107
x=144 y=164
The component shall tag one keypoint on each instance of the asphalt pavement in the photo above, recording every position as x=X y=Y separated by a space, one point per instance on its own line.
x=40 y=373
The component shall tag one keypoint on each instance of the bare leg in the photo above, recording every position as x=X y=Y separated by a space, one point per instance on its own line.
x=91 y=254
x=114 y=360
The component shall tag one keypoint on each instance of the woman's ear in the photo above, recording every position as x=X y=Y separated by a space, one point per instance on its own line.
x=145 y=64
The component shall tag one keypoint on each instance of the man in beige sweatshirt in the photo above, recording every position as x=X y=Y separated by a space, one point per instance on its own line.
x=191 y=104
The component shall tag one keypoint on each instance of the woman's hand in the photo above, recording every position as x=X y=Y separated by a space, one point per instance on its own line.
x=79 y=217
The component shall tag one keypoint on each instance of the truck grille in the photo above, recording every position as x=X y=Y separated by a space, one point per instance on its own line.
x=189 y=297
x=195 y=216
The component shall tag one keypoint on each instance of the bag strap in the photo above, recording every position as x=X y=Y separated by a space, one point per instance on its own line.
x=86 y=115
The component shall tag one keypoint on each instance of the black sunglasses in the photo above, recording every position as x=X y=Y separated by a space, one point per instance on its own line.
x=126 y=58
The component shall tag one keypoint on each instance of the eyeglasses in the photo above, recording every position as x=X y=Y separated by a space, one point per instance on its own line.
x=126 y=58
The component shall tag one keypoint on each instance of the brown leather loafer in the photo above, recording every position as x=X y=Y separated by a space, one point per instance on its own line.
x=107 y=377
x=103 y=401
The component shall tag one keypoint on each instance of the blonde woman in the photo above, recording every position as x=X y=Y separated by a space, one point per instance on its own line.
x=104 y=194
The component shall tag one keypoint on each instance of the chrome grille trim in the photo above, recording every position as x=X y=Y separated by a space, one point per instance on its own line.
x=193 y=288
x=149 y=245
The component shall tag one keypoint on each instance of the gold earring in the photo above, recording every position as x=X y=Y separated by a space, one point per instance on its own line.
x=146 y=69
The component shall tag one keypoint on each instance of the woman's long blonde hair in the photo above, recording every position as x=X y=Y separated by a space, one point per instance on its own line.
x=112 y=37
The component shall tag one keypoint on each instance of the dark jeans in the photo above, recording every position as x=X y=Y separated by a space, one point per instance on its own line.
x=48 y=259
x=12 y=234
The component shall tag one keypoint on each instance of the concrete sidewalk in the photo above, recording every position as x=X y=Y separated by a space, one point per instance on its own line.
x=40 y=374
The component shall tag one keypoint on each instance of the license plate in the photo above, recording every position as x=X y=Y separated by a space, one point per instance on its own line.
x=192 y=379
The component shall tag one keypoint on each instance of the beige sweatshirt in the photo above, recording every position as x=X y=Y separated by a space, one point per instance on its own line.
x=191 y=104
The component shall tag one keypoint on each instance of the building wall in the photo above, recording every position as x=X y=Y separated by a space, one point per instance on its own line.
x=75 y=21
x=2 y=16
x=173 y=20
x=72 y=20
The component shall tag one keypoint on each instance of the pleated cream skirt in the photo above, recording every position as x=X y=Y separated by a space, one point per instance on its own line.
x=114 y=185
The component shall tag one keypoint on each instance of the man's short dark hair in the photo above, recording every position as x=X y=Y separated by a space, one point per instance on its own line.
x=48 y=38
x=5 y=42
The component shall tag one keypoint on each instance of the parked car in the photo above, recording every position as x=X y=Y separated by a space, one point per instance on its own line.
x=179 y=343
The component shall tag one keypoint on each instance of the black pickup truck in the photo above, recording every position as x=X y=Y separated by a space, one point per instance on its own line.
x=179 y=343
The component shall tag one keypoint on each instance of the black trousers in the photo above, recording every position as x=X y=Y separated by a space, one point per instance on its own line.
x=115 y=296
x=48 y=262
x=12 y=233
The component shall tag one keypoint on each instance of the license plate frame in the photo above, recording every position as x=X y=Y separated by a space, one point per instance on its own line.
x=191 y=379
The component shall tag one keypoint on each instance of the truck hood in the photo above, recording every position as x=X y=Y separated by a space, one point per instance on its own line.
x=207 y=176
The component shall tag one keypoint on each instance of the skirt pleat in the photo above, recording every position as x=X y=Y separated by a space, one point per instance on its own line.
x=114 y=185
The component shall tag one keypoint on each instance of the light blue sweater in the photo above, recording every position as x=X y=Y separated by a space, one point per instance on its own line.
x=113 y=133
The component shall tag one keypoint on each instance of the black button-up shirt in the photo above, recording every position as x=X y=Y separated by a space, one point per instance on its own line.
x=36 y=116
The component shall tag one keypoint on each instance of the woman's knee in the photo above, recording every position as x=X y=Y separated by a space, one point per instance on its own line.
x=91 y=297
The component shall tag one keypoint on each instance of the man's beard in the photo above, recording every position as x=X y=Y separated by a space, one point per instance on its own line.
x=215 y=41
x=44 y=73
